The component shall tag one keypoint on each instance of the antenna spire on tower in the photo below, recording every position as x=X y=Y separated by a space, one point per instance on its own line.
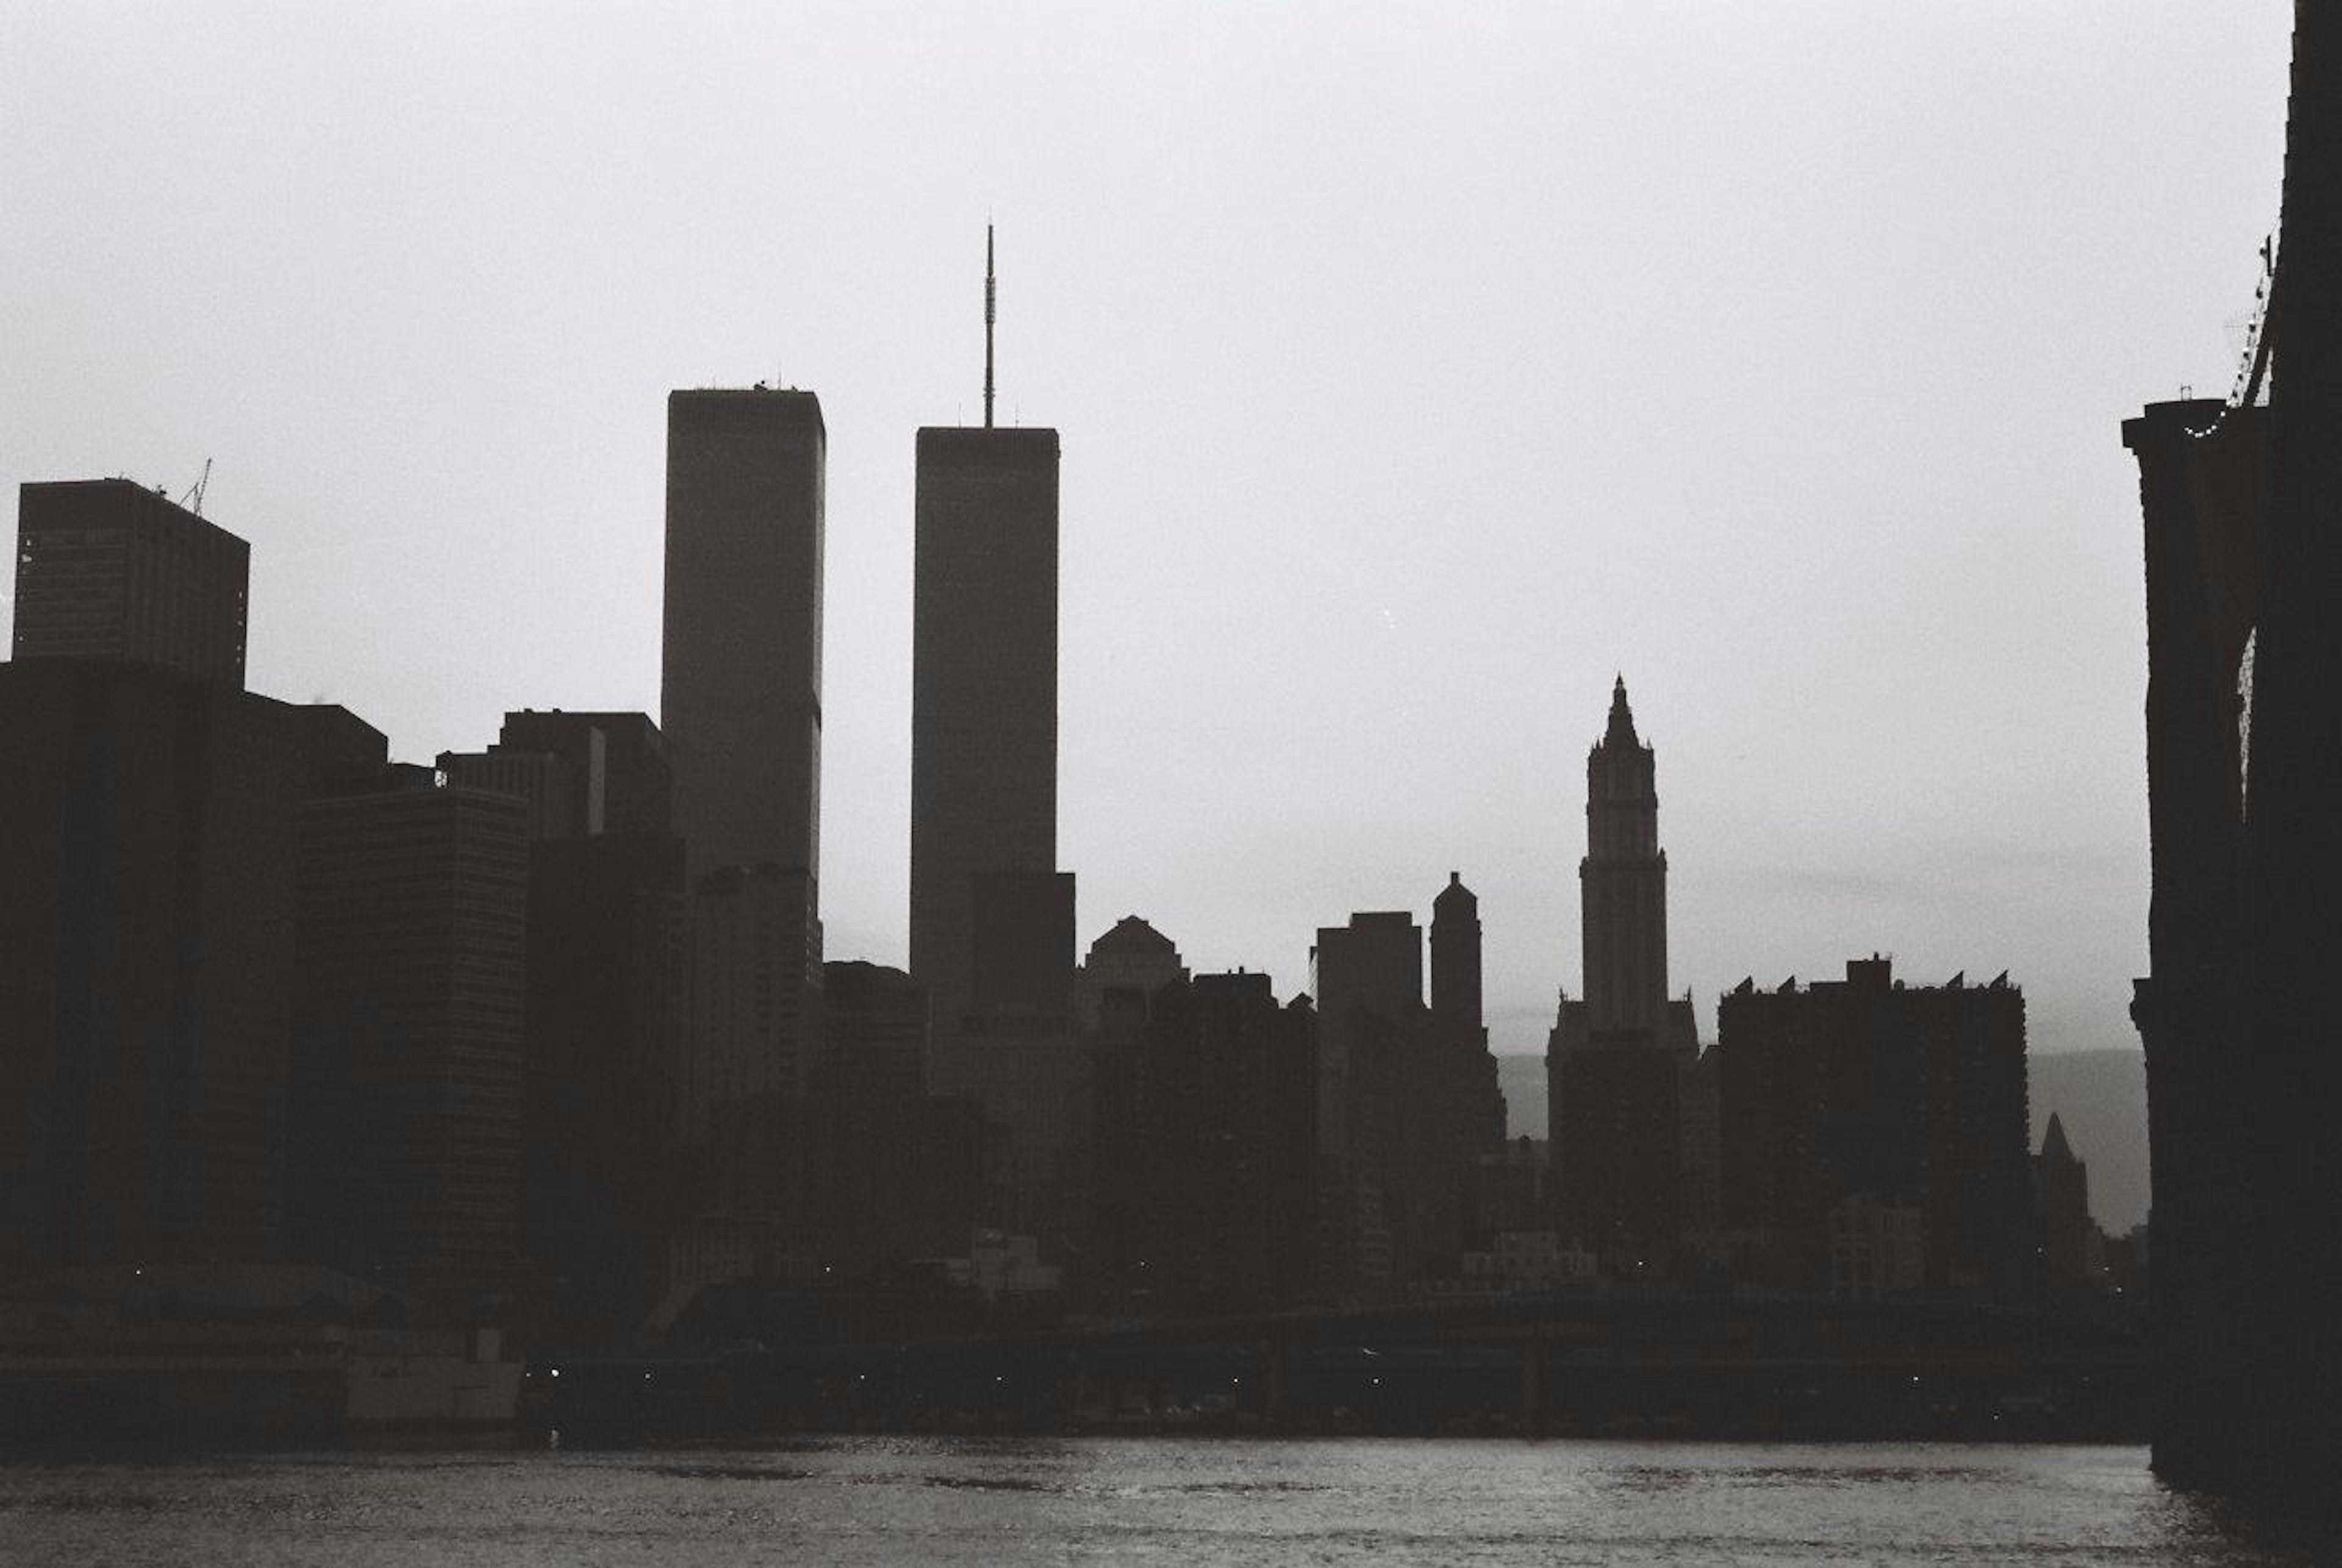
x=989 y=298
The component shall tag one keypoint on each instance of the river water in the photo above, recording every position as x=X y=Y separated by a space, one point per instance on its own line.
x=1131 y=1501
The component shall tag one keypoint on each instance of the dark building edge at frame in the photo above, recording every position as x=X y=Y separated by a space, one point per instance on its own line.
x=2244 y=926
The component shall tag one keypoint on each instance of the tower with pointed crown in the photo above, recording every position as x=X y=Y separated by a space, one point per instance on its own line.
x=1628 y=1100
x=1623 y=884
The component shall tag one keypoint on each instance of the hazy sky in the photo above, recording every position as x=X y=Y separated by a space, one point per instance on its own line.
x=1417 y=369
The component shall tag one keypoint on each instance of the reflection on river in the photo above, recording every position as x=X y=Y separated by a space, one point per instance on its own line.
x=922 y=1500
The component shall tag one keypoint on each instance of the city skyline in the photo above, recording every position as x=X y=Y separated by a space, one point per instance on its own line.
x=1374 y=714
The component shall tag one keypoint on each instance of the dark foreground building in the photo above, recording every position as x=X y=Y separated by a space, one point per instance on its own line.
x=146 y=914
x=1843 y=1099
x=408 y=1084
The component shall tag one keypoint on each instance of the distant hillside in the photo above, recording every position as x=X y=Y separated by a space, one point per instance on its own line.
x=2099 y=1095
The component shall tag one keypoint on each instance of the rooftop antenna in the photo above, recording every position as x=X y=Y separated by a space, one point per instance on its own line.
x=989 y=312
x=194 y=498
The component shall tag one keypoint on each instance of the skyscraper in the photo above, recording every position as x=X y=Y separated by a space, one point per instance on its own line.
x=984 y=689
x=108 y=569
x=1622 y=1065
x=740 y=685
x=991 y=917
x=1623 y=886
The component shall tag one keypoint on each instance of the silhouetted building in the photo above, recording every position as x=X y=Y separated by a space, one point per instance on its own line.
x=1115 y=989
x=112 y=571
x=1131 y=956
x=872 y=1167
x=616 y=761
x=1222 y=1147
x=1406 y=1094
x=740 y=695
x=740 y=683
x=1623 y=1075
x=1366 y=978
x=983 y=702
x=1902 y=1097
x=559 y=799
x=991 y=917
x=1462 y=1107
x=145 y=955
x=607 y=976
x=409 y=1018
x=608 y=1010
x=2072 y=1252
x=754 y=1024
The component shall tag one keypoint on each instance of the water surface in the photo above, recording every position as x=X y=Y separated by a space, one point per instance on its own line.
x=1135 y=1501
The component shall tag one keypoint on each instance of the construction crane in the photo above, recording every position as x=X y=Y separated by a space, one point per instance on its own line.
x=193 y=499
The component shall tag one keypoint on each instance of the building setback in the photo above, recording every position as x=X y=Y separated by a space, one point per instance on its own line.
x=740 y=680
x=110 y=570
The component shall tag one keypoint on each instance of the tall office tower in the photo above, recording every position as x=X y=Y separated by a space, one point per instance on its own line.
x=107 y=569
x=146 y=951
x=740 y=692
x=608 y=982
x=1460 y=1091
x=1622 y=1062
x=409 y=1012
x=984 y=689
x=984 y=797
x=1866 y=1092
x=740 y=685
x=1367 y=979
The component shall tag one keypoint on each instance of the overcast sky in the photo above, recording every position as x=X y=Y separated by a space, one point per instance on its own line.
x=1417 y=369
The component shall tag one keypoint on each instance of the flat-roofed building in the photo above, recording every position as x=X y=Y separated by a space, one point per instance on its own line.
x=107 y=569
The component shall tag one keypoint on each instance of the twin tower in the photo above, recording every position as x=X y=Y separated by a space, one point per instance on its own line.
x=740 y=688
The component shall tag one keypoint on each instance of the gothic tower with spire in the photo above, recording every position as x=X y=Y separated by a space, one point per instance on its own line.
x=1629 y=1107
x=1623 y=884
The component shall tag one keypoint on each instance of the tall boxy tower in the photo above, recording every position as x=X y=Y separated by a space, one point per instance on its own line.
x=984 y=686
x=740 y=687
x=984 y=682
x=991 y=917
